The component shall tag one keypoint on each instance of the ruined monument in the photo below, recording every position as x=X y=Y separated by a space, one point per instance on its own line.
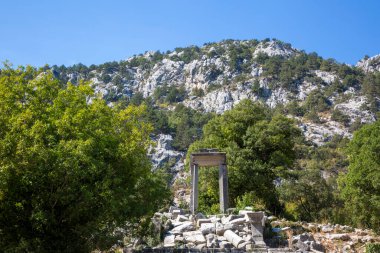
x=208 y=158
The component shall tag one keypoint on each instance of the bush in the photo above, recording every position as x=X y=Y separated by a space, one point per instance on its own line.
x=360 y=186
x=71 y=171
x=313 y=116
x=339 y=116
x=199 y=92
x=317 y=101
x=259 y=146
x=372 y=248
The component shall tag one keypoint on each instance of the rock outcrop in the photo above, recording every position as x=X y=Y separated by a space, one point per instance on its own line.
x=371 y=64
x=163 y=152
x=224 y=73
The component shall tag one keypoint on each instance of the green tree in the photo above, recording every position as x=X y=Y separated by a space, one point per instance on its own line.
x=339 y=116
x=317 y=101
x=259 y=146
x=371 y=88
x=137 y=99
x=361 y=185
x=70 y=170
x=307 y=196
x=187 y=124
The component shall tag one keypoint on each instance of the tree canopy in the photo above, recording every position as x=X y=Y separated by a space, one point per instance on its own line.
x=259 y=146
x=361 y=185
x=71 y=168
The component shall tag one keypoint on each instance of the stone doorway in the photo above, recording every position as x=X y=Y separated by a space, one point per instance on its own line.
x=209 y=158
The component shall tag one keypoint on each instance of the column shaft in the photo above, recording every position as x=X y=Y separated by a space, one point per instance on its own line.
x=194 y=188
x=223 y=188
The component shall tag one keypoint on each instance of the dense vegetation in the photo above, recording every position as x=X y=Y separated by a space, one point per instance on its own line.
x=272 y=167
x=260 y=148
x=71 y=170
x=361 y=185
x=74 y=168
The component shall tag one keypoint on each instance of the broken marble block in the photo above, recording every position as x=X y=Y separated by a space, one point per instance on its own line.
x=186 y=226
x=194 y=237
x=212 y=241
x=175 y=214
x=225 y=245
x=238 y=221
x=220 y=229
x=207 y=228
x=229 y=218
x=233 y=238
x=182 y=218
x=169 y=241
x=201 y=221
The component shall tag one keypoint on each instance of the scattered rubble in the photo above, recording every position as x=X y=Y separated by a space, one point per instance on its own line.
x=326 y=237
x=243 y=231
x=250 y=231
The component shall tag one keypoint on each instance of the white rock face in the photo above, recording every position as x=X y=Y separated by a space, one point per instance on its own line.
x=327 y=77
x=304 y=90
x=371 y=64
x=162 y=73
x=321 y=133
x=273 y=48
x=354 y=109
x=225 y=86
x=163 y=152
x=220 y=100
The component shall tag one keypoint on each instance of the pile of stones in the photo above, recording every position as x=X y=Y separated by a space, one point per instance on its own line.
x=242 y=231
x=314 y=237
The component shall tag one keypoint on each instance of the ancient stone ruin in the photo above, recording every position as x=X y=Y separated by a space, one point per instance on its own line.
x=239 y=231
x=207 y=158
x=242 y=231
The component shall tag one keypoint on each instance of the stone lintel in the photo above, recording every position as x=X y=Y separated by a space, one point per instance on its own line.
x=208 y=159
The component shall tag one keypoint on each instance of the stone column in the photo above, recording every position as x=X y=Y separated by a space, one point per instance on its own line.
x=194 y=188
x=223 y=188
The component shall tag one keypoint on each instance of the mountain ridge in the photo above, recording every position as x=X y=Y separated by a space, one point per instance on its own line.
x=217 y=76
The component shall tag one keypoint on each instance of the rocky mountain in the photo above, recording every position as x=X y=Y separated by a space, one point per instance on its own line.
x=216 y=76
x=370 y=64
x=325 y=98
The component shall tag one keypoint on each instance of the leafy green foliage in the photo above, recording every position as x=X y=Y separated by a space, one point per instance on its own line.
x=360 y=186
x=199 y=92
x=239 y=57
x=372 y=248
x=371 y=89
x=289 y=71
x=316 y=101
x=339 y=116
x=307 y=196
x=186 y=54
x=70 y=171
x=295 y=109
x=259 y=146
x=169 y=94
x=187 y=124
x=137 y=99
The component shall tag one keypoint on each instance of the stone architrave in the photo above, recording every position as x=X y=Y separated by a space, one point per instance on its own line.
x=207 y=159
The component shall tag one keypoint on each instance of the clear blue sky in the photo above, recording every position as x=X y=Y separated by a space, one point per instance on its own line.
x=91 y=32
